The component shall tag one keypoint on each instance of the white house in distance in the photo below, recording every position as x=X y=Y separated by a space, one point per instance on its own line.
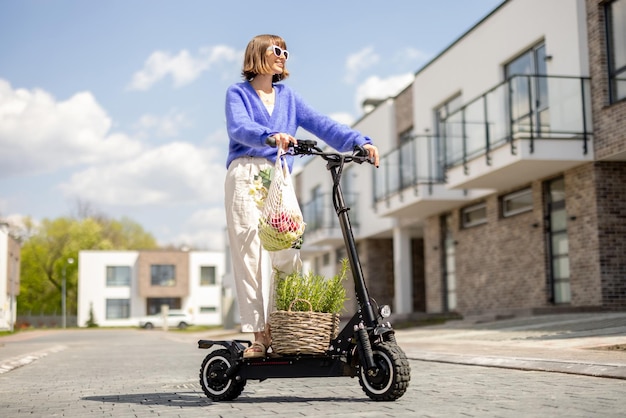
x=9 y=278
x=119 y=287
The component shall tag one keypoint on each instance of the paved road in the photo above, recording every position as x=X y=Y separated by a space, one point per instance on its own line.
x=134 y=373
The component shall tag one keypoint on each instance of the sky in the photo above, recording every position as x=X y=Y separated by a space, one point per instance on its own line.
x=118 y=105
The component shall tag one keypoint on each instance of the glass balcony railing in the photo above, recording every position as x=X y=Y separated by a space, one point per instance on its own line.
x=408 y=165
x=529 y=107
x=319 y=213
x=524 y=106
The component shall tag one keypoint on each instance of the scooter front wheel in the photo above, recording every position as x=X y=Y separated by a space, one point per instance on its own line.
x=390 y=378
x=213 y=379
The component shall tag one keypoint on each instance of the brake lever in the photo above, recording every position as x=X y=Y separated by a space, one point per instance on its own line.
x=360 y=155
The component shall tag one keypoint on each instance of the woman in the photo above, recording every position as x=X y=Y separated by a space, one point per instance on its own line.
x=256 y=109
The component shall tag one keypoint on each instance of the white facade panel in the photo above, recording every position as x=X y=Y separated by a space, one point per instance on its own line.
x=5 y=298
x=93 y=291
x=476 y=62
x=205 y=301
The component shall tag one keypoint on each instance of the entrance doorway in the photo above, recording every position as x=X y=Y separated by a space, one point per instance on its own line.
x=558 y=242
x=448 y=264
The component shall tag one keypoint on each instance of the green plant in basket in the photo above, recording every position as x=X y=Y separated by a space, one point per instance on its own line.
x=326 y=295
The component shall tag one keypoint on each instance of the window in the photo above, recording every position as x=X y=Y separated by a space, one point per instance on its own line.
x=529 y=91
x=208 y=309
x=474 y=215
x=316 y=219
x=340 y=254
x=449 y=127
x=517 y=202
x=163 y=275
x=407 y=164
x=118 y=308
x=154 y=304
x=207 y=275
x=616 y=44
x=118 y=276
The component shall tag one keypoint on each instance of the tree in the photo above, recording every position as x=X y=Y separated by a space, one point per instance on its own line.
x=48 y=247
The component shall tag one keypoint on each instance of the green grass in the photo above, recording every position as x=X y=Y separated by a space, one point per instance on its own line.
x=324 y=294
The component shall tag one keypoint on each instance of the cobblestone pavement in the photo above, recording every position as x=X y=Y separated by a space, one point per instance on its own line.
x=136 y=373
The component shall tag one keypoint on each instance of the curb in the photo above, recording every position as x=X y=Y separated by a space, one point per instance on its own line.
x=613 y=371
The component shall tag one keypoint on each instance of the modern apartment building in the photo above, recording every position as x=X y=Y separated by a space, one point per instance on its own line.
x=119 y=287
x=503 y=172
x=10 y=256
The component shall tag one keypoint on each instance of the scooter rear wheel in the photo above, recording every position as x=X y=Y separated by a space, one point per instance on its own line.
x=215 y=384
x=391 y=379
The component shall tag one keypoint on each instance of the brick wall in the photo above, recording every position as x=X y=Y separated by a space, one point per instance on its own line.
x=179 y=259
x=609 y=127
x=609 y=120
x=500 y=264
x=582 y=227
x=376 y=257
x=611 y=202
x=432 y=265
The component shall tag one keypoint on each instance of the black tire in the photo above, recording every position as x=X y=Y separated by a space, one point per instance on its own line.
x=393 y=376
x=182 y=325
x=214 y=385
x=148 y=325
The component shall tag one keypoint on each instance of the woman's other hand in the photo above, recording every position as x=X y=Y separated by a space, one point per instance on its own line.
x=373 y=153
x=283 y=140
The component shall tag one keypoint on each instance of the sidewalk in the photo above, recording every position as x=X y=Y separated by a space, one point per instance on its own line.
x=592 y=344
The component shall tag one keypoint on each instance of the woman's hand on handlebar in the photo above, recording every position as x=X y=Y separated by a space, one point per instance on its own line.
x=372 y=151
x=283 y=140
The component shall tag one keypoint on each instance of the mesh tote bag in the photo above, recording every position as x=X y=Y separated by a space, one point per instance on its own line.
x=281 y=225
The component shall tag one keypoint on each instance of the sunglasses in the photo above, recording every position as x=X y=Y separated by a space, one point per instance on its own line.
x=278 y=51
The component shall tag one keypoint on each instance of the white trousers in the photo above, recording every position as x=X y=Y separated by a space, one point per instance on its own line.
x=242 y=217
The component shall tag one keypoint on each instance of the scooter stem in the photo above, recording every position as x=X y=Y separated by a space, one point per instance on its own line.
x=362 y=293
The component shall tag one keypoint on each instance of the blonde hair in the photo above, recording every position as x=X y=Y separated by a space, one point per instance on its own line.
x=255 y=58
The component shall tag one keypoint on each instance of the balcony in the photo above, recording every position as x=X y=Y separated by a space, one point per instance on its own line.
x=322 y=224
x=409 y=182
x=524 y=129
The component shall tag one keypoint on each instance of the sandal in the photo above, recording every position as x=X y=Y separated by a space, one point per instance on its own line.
x=256 y=350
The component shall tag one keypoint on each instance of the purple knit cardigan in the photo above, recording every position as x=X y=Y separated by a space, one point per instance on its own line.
x=249 y=124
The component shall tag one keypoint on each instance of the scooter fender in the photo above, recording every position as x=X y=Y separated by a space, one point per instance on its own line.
x=236 y=347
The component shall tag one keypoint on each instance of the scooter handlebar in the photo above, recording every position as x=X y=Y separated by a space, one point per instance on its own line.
x=309 y=147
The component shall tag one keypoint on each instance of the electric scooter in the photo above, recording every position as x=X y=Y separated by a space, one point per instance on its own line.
x=365 y=347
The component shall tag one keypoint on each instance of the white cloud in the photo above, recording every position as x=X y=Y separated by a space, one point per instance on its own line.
x=204 y=229
x=358 y=62
x=175 y=173
x=411 y=56
x=39 y=134
x=381 y=88
x=183 y=67
x=167 y=126
x=342 y=117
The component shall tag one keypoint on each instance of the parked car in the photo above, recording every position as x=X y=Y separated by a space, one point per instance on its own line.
x=175 y=318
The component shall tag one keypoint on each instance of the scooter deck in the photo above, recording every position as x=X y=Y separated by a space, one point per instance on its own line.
x=282 y=366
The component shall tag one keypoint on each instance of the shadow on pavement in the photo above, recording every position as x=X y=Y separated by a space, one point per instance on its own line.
x=177 y=399
x=195 y=399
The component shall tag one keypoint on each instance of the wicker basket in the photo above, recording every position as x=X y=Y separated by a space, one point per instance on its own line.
x=302 y=332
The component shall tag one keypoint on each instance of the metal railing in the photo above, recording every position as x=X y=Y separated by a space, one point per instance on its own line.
x=319 y=212
x=412 y=163
x=532 y=107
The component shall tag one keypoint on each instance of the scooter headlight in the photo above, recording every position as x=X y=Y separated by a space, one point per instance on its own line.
x=385 y=311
